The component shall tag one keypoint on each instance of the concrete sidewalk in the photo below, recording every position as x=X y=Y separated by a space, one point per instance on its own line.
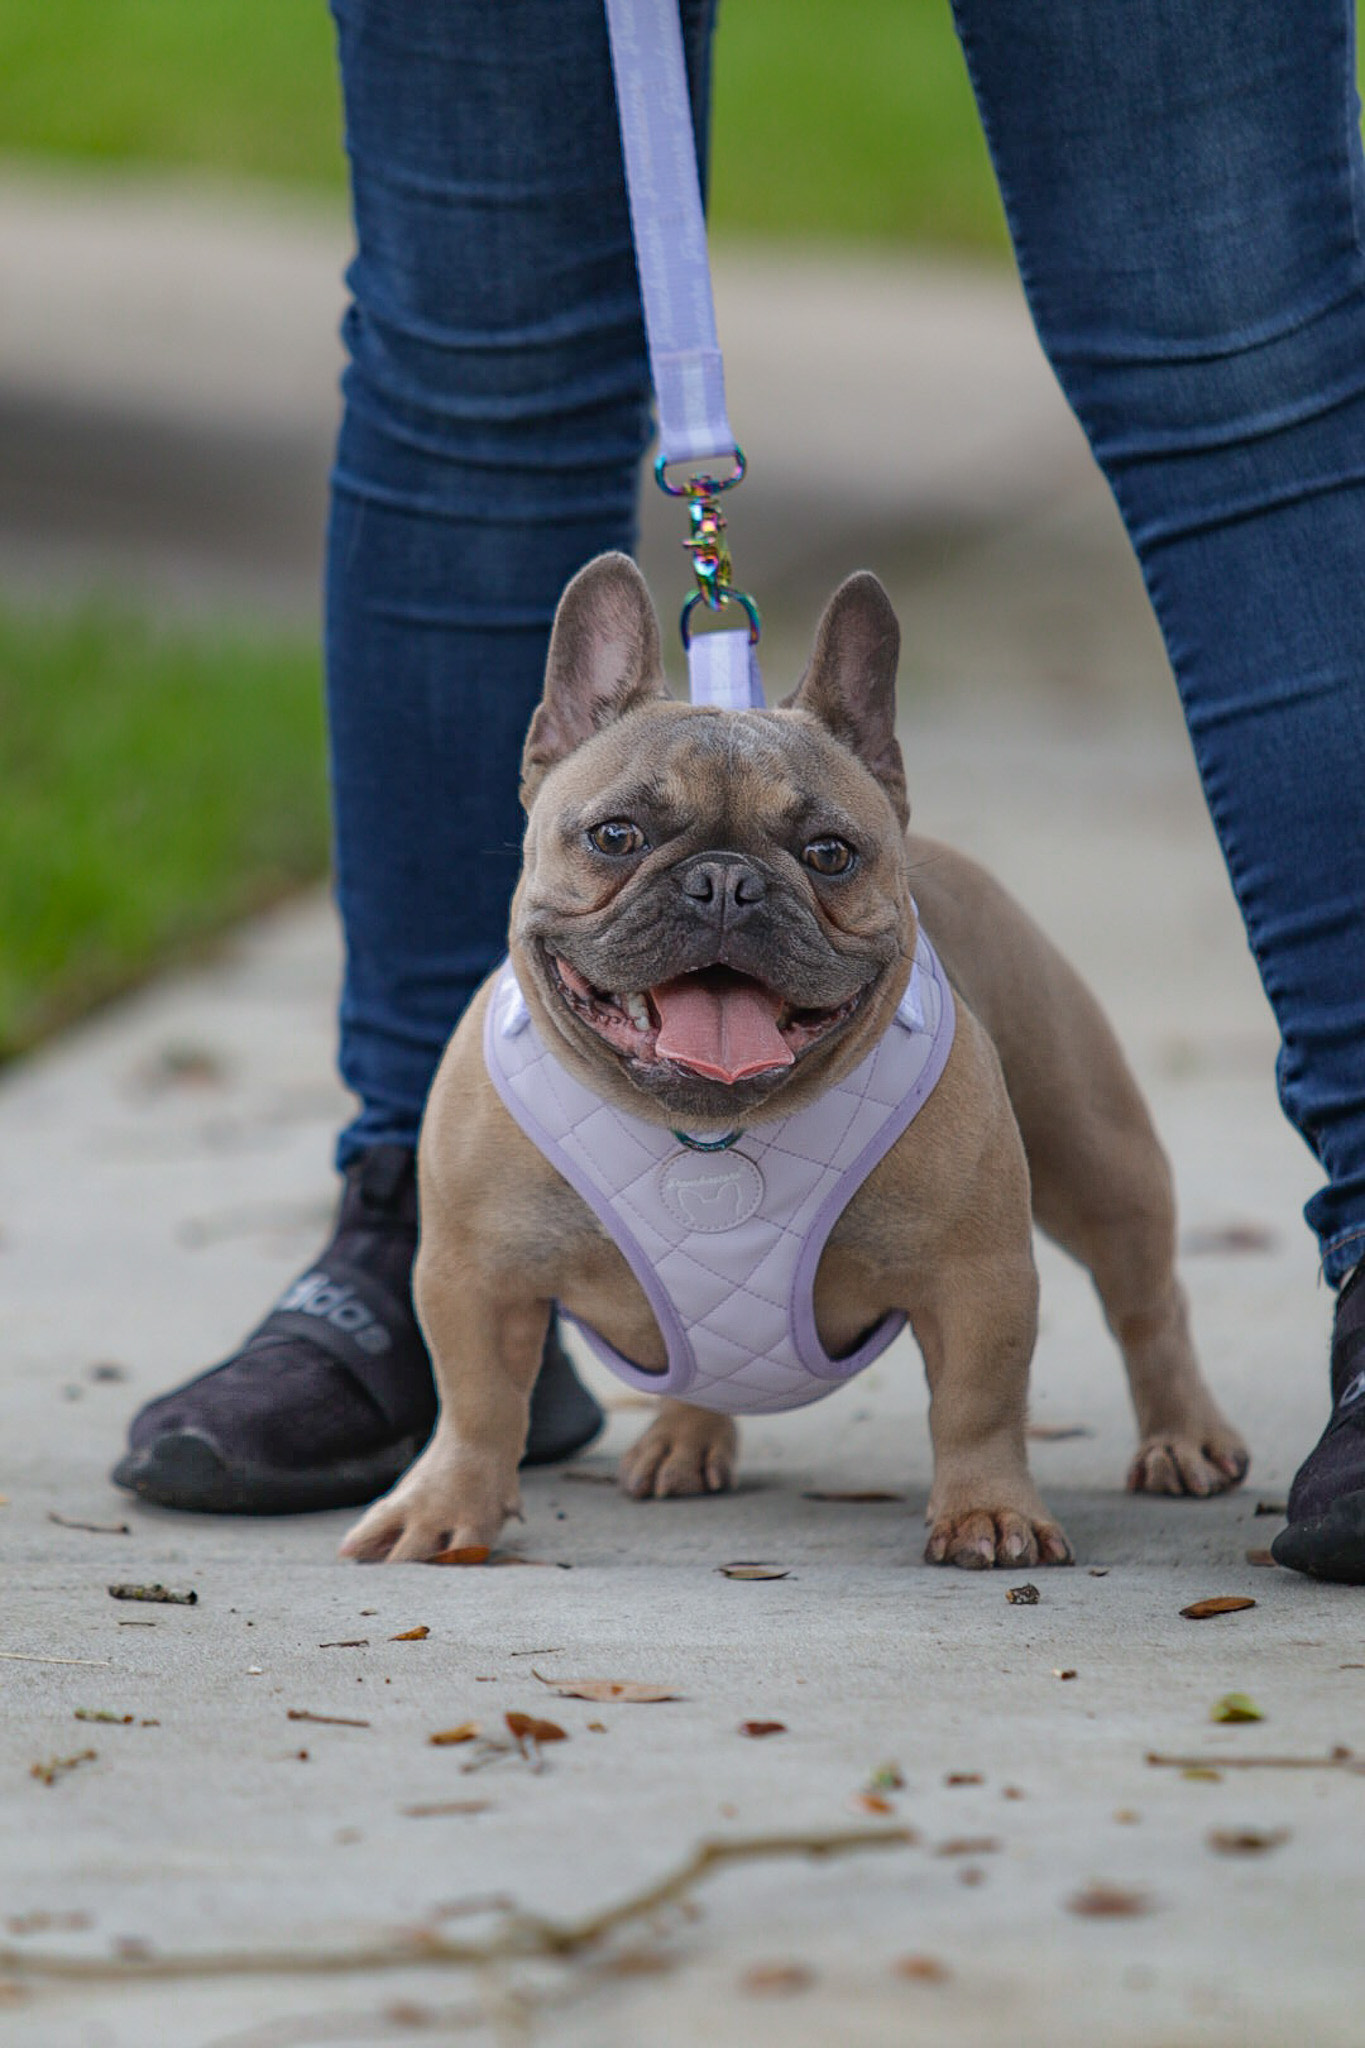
x=165 y=1169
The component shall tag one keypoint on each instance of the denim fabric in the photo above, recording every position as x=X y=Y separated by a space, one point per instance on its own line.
x=496 y=410
x=1184 y=186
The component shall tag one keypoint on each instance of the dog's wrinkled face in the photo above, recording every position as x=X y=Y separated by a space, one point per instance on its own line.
x=713 y=918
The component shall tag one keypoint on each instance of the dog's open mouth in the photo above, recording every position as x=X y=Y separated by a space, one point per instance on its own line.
x=714 y=1022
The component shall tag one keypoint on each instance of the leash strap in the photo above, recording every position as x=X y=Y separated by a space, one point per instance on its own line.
x=666 y=220
x=659 y=149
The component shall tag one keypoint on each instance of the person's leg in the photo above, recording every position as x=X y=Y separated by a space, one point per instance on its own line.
x=497 y=406
x=1183 y=182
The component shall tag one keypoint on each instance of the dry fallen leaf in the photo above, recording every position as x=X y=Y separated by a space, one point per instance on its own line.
x=1245 y=1841
x=757 y=1728
x=1108 y=1902
x=1202 y=1774
x=1026 y=1595
x=1222 y=1603
x=964 y=1778
x=472 y=1553
x=41 y=1922
x=1202 y=1239
x=872 y=1802
x=412 y=1635
x=866 y=1498
x=57 y=1766
x=886 y=1778
x=525 y=1728
x=922 y=1969
x=1058 y=1672
x=624 y=1689
x=752 y=1571
x=776 y=1979
x=431 y=1809
x=1235 y=1706
x=445 y=1737
x=968 y=1845
x=1127 y=1816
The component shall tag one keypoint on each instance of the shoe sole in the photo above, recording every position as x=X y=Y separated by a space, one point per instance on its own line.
x=1330 y=1547
x=185 y=1469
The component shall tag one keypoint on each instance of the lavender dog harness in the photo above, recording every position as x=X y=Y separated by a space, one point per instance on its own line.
x=725 y=1243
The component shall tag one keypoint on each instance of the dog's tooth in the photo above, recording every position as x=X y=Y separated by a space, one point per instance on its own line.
x=636 y=1009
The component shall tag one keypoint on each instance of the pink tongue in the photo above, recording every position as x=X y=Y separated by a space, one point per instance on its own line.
x=726 y=1033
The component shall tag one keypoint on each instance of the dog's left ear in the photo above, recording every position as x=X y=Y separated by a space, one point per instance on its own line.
x=604 y=660
x=850 y=685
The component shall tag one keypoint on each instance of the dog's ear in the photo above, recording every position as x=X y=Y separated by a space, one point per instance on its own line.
x=850 y=685
x=604 y=660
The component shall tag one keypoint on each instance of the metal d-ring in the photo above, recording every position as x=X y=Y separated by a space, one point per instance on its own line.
x=724 y=596
x=700 y=486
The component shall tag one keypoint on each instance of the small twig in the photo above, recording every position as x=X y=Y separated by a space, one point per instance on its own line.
x=1335 y=1760
x=327 y=1720
x=161 y=1596
x=24 y=1657
x=92 y=1528
x=518 y=1937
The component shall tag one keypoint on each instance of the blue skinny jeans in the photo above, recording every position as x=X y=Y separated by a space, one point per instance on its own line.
x=1185 y=190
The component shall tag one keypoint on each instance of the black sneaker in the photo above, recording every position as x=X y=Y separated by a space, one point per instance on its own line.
x=332 y=1397
x=1326 y=1532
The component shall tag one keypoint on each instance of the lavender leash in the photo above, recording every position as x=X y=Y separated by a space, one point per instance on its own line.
x=659 y=149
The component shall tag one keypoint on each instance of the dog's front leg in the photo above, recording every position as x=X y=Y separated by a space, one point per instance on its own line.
x=486 y=1353
x=976 y=1329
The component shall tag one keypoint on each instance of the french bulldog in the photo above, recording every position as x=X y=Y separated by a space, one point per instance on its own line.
x=717 y=925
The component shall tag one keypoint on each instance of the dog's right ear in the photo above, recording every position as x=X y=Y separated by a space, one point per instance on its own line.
x=605 y=659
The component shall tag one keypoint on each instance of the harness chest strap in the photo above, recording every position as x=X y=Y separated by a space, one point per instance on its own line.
x=725 y=1244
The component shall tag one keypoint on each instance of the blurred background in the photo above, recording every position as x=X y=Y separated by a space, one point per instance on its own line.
x=172 y=233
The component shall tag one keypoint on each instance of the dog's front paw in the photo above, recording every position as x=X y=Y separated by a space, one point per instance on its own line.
x=684 y=1450
x=978 y=1537
x=1190 y=1459
x=450 y=1499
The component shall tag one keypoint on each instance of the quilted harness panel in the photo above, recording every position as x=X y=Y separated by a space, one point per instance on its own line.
x=725 y=1243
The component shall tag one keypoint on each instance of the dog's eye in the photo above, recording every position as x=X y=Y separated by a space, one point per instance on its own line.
x=617 y=836
x=829 y=856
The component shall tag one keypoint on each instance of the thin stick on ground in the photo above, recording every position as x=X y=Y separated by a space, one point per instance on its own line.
x=519 y=1936
x=1335 y=1760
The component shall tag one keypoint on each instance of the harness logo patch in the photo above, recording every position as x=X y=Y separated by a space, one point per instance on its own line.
x=331 y=1302
x=1353 y=1392
x=710 y=1191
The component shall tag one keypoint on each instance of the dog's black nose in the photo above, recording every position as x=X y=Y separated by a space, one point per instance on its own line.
x=723 y=889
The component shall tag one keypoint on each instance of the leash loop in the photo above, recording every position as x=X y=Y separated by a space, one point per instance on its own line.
x=723 y=595
x=659 y=150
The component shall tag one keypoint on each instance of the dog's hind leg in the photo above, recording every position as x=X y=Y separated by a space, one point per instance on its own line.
x=1101 y=1183
x=684 y=1450
x=1102 y=1190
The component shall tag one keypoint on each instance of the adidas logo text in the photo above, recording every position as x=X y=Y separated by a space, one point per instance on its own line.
x=316 y=1295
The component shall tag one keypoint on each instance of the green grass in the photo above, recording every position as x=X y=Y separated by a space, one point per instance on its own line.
x=849 y=120
x=157 y=785
x=832 y=119
x=241 y=87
